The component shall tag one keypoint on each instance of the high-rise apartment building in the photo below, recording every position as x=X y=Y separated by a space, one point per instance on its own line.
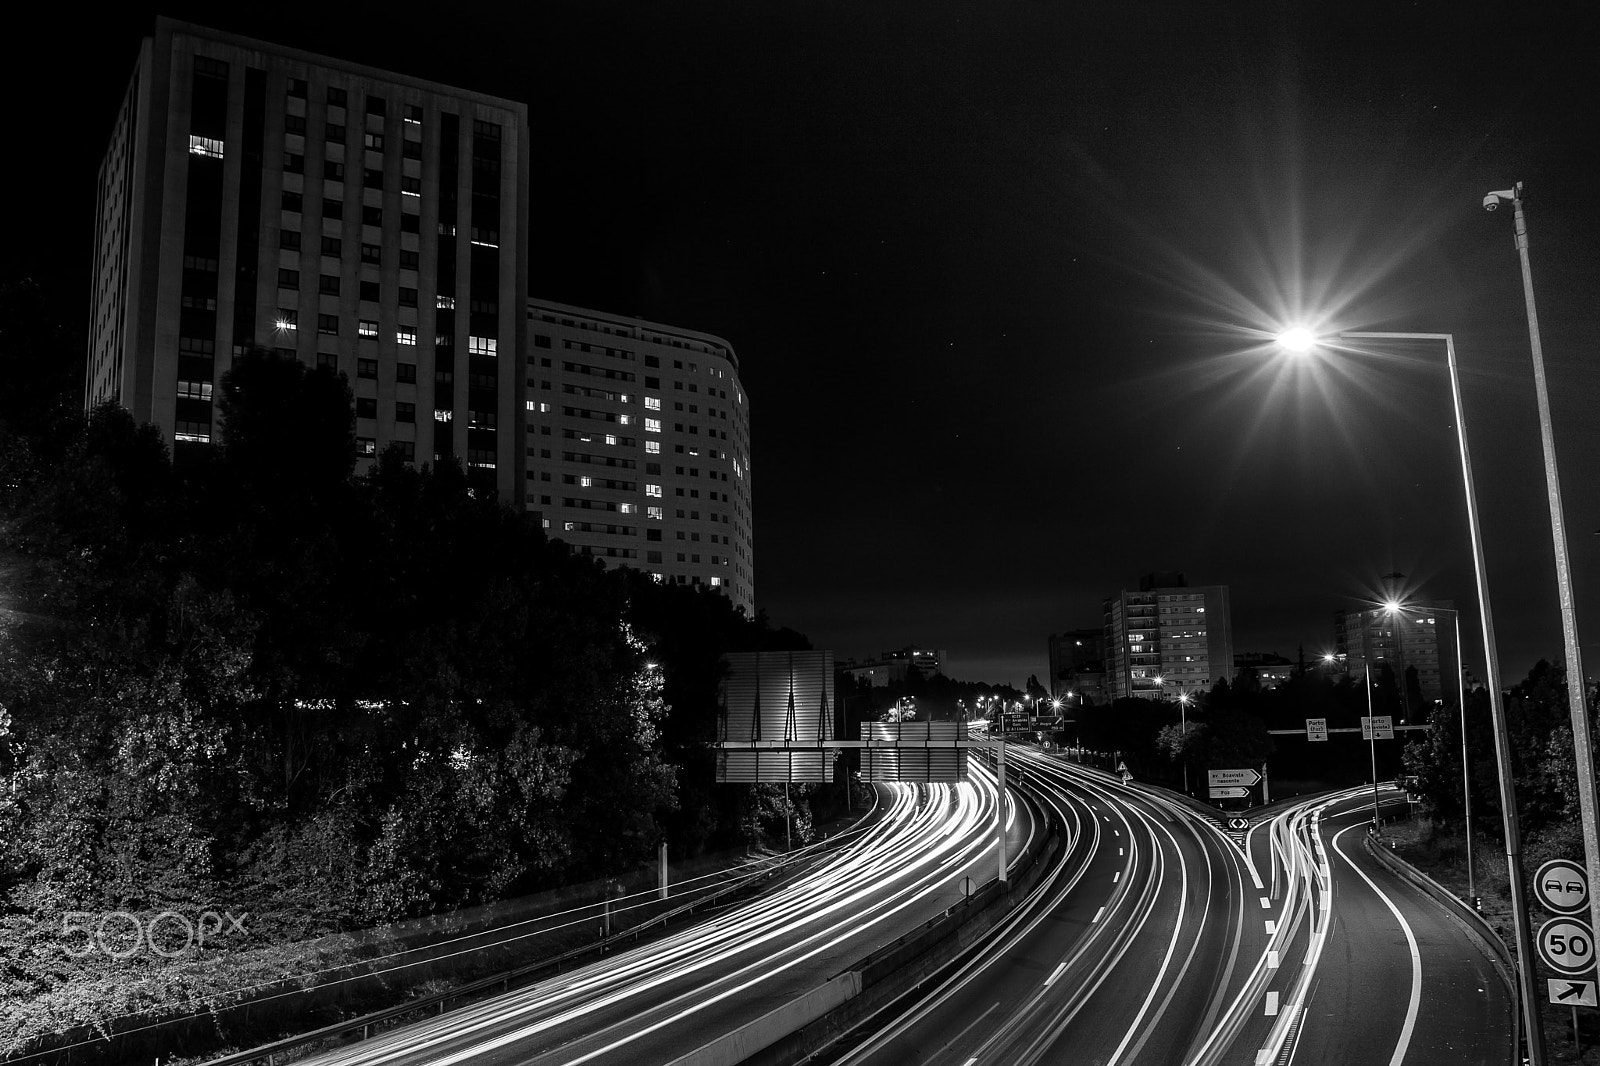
x=1167 y=638
x=377 y=224
x=638 y=446
x=1422 y=636
x=355 y=218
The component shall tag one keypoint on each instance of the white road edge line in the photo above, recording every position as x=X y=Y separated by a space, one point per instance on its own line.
x=1415 y=1003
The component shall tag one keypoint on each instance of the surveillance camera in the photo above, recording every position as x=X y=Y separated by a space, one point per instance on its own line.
x=1491 y=202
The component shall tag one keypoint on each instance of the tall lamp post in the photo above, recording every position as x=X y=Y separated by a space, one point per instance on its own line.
x=1183 y=729
x=1582 y=736
x=1301 y=340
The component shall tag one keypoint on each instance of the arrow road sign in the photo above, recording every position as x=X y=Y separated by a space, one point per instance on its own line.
x=1573 y=993
x=1232 y=792
x=1221 y=778
x=1238 y=823
x=1566 y=945
x=1378 y=727
x=1562 y=886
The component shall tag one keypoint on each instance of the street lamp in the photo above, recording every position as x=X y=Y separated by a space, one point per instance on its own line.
x=1502 y=737
x=1466 y=763
x=1183 y=729
x=1582 y=739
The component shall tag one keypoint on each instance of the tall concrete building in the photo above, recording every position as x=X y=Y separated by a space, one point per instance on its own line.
x=1421 y=636
x=357 y=219
x=377 y=224
x=638 y=446
x=1167 y=638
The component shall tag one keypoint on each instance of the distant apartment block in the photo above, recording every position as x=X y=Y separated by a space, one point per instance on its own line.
x=1078 y=665
x=354 y=218
x=638 y=446
x=891 y=667
x=1422 y=636
x=1167 y=638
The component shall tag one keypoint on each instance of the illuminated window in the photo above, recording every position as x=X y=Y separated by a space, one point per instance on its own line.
x=652 y=403
x=652 y=490
x=652 y=425
x=481 y=345
x=405 y=335
x=445 y=303
x=585 y=481
x=652 y=447
x=210 y=147
x=628 y=508
x=287 y=321
x=653 y=513
x=194 y=432
x=366 y=328
x=194 y=390
x=443 y=414
x=716 y=581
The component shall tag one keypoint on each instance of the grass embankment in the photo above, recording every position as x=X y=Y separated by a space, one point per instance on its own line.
x=1441 y=853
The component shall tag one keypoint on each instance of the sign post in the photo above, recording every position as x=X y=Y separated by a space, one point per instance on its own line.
x=1375 y=727
x=1566 y=943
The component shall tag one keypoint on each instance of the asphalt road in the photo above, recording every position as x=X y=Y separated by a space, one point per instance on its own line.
x=665 y=999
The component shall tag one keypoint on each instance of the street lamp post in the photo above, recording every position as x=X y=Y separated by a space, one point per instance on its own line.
x=1301 y=340
x=1582 y=735
x=1183 y=729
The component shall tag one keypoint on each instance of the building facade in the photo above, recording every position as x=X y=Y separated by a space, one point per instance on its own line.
x=1166 y=638
x=638 y=446
x=1422 y=636
x=377 y=225
x=357 y=219
x=1077 y=665
x=891 y=667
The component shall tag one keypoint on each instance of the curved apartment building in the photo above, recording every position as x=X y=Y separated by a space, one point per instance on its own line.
x=638 y=446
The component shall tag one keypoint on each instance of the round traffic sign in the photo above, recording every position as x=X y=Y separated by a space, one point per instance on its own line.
x=1567 y=945
x=1562 y=886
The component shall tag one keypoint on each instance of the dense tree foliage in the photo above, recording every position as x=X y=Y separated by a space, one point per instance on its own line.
x=325 y=699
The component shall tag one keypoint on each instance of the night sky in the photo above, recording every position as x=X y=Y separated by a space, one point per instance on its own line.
x=1002 y=279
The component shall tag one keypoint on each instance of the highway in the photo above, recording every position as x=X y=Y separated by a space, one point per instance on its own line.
x=665 y=999
x=1162 y=941
x=1155 y=939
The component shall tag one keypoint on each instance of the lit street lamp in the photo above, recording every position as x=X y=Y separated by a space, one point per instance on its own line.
x=1300 y=340
x=1582 y=739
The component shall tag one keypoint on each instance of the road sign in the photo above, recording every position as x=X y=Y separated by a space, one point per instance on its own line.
x=1231 y=792
x=1013 y=723
x=1316 y=729
x=1572 y=993
x=1378 y=727
x=1222 y=778
x=967 y=887
x=1562 y=886
x=1567 y=945
x=1126 y=777
x=1238 y=823
x=1122 y=767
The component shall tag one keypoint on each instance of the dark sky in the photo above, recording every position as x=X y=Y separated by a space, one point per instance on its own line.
x=999 y=275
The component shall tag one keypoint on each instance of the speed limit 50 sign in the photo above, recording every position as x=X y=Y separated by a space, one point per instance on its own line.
x=1567 y=945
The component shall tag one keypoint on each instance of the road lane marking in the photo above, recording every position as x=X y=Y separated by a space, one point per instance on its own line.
x=1097 y=915
x=1115 y=874
x=1272 y=1004
x=1272 y=927
x=1266 y=904
x=1415 y=1002
x=957 y=1038
x=1048 y=981
x=1272 y=960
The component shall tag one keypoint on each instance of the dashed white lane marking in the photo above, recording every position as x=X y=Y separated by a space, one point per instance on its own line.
x=1272 y=1004
x=1272 y=927
x=1048 y=981
x=1272 y=960
x=1097 y=915
x=1116 y=874
x=1266 y=904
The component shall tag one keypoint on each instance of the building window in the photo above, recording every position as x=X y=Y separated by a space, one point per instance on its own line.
x=409 y=260
x=287 y=320
x=297 y=88
x=366 y=407
x=288 y=279
x=366 y=327
x=405 y=335
x=328 y=324
x=373 y=140
x=210 y=147
x=366 y=368
x=292 y=201
x=652 y=425
x=651 y=447
x=289 y=239
x=408 y=297
x=370 y=291
x=376 y=105
x=652 y=403
x=652 y=490
x=332 y=246
x=405 y=412
x=372 y=179
x=413 y=114
x=481 y=345
x=405 y=373
x=366 y=447
x=193 y=432
x=328 y=284
x=333 y=209
x=371 y=216
x=294 y=163
x=410 y=186
x=194 y=390
x=333 y=132
x=336 y=97
x=654 y=513
x=444 y=303
x=332 y=171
